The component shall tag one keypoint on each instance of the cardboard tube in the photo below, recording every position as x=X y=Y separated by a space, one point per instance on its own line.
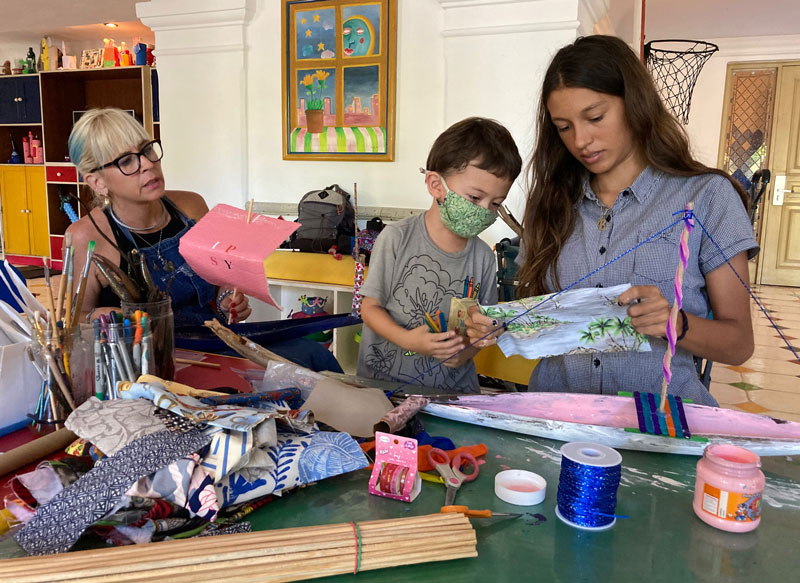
x=35 y=450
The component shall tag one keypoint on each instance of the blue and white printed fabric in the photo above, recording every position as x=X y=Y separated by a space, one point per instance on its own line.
x=299 y=460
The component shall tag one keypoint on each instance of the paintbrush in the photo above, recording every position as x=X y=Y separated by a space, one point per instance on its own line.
x=77 y=302
x=62 y=284
x=232 y=313
x=69 y=293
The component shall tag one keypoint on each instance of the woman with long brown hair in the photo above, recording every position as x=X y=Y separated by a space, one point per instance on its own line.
x=610 y=168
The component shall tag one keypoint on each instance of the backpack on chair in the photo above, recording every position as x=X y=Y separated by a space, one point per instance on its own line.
x=327 y=218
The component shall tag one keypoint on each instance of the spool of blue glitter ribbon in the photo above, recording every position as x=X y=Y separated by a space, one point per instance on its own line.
x=587 y=486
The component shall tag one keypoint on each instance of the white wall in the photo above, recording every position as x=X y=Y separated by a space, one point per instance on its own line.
x=419 y=115
x=705 y=116
x=221 y=109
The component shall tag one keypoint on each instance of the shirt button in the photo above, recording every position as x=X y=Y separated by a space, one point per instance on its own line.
x=602 y=250
x=599 y=285
x=626 y=192
x=608 y=218
x=596 y=362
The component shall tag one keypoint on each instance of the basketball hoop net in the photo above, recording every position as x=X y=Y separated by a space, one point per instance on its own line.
x=675 y=65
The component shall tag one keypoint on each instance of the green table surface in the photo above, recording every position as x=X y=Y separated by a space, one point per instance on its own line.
x=662 y=540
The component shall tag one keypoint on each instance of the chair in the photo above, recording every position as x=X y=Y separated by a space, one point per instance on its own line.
x=507 y=269
x=703 y=367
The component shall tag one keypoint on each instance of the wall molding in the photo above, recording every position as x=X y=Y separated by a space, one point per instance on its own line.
x=756 y=46
x=168 y=15
x=512 y=28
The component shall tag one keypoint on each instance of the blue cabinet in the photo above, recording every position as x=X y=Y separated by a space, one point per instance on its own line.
x=19 y=100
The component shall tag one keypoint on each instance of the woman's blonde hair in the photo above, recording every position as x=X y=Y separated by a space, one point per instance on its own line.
x=101 y=134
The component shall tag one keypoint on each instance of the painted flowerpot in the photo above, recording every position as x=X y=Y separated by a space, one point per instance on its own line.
x=314 y=121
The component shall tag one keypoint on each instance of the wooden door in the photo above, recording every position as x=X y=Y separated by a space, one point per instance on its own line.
x=780 y=253
x=14 y=189
x=37 y=203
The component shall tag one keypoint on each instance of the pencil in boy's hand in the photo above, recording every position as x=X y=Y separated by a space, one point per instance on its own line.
x=466 y=288
x=476 y=290
x=471 y=282
x=431 y=323
x=442 y=321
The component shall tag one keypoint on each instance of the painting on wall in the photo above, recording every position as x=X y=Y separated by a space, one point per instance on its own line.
x=339 y=79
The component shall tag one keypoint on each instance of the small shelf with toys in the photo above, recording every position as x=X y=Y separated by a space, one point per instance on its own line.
x=61 y=97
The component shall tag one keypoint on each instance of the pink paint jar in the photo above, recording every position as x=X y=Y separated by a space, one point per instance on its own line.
x=727 y=492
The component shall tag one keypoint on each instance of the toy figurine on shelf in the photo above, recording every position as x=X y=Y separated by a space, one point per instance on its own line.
x=151 y=58
x=124 y=55
x=30 y=62
x=44 y=56
x=56 y=56
x=110 y=53
x=139 y=52
x=15 y=159
x=7 y=68
x=26 y=149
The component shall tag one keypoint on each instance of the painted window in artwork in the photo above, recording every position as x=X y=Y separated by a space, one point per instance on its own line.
x=339 y=78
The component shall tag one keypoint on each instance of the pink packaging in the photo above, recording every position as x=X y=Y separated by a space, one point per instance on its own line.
x=394 y=474
x=728 y=489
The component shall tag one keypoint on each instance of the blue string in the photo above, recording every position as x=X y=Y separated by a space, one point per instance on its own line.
x=550 y=298
x=685 y=216
x=587 y=495
x=749 y=291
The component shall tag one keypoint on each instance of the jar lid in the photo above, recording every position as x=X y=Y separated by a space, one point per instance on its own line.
x=520 y=487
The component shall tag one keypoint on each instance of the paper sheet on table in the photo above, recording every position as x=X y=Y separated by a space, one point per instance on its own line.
x=349 y=409
x=226 y=250
x=575 y=322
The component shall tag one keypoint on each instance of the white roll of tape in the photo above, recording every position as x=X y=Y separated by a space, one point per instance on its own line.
x=520 y=487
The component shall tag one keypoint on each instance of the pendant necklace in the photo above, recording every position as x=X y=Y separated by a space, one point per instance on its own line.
x=165 y=218
x=603 y=222
x=167 y=265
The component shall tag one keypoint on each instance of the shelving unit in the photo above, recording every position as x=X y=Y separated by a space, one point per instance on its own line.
x=45 y=104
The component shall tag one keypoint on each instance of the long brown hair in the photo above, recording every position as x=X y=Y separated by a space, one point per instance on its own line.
x=607 y=65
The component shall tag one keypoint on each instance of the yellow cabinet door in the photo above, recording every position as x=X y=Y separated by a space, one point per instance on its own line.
x=37 y=203
x=14 y=191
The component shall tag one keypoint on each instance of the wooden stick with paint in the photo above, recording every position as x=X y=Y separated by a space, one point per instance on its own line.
x=677 y=304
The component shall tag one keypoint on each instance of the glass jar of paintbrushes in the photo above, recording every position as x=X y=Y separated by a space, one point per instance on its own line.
x=63 y=360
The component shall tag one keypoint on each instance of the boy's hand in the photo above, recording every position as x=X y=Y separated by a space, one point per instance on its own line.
x=440 y=345
x=481 y=330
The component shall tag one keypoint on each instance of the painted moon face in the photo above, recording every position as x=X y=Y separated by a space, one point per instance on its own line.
x=357 y=37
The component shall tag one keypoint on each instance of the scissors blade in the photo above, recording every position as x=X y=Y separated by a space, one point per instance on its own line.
x=450 y=497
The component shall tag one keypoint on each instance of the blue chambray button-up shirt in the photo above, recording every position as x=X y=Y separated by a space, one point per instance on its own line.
x=643 y=209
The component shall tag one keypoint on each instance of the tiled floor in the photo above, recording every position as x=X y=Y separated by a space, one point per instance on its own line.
x=768 y=383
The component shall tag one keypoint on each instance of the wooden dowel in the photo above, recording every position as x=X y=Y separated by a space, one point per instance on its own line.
x=244 y=556
x=198 y=363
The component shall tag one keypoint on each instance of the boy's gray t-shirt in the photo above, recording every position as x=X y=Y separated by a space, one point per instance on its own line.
x=409 y=275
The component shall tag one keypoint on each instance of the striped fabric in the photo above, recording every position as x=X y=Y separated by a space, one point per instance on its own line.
x=356 y=140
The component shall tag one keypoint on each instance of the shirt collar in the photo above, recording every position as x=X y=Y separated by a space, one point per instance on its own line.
x=641 y=187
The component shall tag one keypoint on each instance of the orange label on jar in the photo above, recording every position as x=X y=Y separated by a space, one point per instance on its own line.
x=734 y=506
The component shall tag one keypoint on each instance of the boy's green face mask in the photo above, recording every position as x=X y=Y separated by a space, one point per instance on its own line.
x=463 y=217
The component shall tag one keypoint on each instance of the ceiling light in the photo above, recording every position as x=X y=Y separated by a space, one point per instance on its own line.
x=111 y=24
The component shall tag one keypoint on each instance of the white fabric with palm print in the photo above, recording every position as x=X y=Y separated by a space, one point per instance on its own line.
x=575 y=322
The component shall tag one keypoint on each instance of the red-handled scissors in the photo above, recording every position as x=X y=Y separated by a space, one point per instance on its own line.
x=451 y=471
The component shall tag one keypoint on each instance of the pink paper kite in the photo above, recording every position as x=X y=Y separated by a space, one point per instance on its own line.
x=226 y=250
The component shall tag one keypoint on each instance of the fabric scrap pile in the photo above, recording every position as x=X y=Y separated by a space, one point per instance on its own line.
x=155 y=465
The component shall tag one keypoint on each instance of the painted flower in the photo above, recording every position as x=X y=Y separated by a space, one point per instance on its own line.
x=322 y=75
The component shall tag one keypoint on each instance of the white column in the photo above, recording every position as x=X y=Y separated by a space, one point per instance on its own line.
x=496 y=53
x=201 y=60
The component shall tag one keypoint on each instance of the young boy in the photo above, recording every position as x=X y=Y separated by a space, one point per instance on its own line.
x=420 y=263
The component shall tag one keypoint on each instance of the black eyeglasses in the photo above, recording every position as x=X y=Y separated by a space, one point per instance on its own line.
x=131 y=162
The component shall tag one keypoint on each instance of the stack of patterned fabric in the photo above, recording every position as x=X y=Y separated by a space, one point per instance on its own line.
x=171 y=466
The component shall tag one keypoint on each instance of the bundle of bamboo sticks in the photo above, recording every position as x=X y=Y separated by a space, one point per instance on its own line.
x=291 y=554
